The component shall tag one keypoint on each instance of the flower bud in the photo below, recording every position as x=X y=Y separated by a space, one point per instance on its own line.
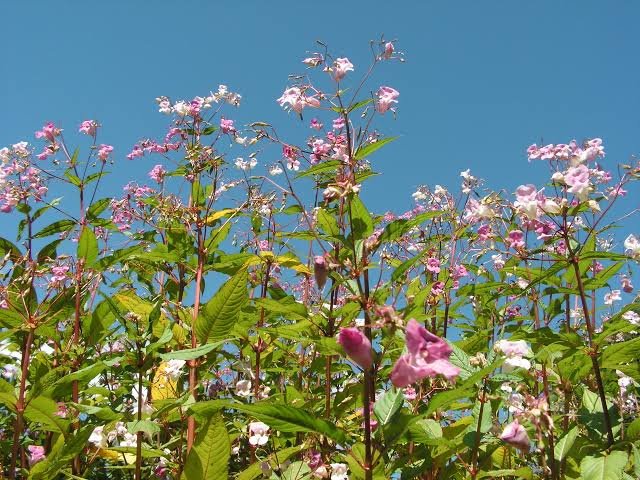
x=356 y=345
x=320 y=271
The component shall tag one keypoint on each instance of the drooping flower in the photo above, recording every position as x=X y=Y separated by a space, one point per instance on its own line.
x=428 y=357
x=320 y=271
x=386 y=98
x=627 y=286
x=516 y=435
x=296 y=100
x=157 y=173
x=258 y=433
x=340 y=68
x=388 y=50
x=515 y=351
x=356 y=345
x=577 y=178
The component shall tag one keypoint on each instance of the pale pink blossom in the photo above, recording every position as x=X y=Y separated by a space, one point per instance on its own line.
x=49 y=132
x=258 y=433
x=340 y=68
x=516 y=435
x=36 y=454
x=104 y=151
x=296 y=100
x=157 y=173
x=356 y=345
x=89 y=127
x=577 y=178
x=428 y=357
x=612 y=296
x=314 y=61
x=386 y=98
x=226 y=125
x=388 y=50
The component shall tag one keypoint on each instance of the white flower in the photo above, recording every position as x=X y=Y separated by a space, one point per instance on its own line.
x=275 y=170
x=339 y=471
x=98 y=437
x=181 y=108
x=557 y=177
x=258 y=433
x=129 y=440
x=631 y=317
x=612 y=296
x=243 y=388
x=511 y=363
x=419 y=194
x=173 y=369
x=632 y=246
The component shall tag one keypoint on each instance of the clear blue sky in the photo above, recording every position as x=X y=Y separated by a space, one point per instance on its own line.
x=482 y=80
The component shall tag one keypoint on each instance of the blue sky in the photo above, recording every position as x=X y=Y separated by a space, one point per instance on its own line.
x=482 y=80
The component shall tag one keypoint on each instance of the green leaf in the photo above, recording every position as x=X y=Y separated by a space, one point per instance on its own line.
x=617 y=355
x=564 y=445
x=209 y=457
x=290 y=419
x=88 y=246
x=190 y=353
x=63 y=451
x=219 y=315
x=97 y=208
x=362 y=222
x=43 y=410
x=328 y=166
x=327 y=222
x=368 y=149
x=388 y=404
x=398 y=228
x=604 y=467
x=297 y=471
x=56 y=227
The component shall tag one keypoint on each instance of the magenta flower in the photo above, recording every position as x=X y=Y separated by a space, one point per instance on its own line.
x=428 y=357
x=356 y=345
x=516 y=435
x=433 y=265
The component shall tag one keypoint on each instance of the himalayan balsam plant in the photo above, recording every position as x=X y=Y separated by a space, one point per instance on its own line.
x=227 y=318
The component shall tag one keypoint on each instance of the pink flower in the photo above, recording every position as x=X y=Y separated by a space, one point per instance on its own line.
x=136 y=152
x=517 y=348
x=578 y=180
x=338 y=123
x=437 y=289
x=516 y=435
x=316 y=124
x=226 y=126
x=340 y=68
x=157 y=173
x=433 y=265
x=36 y=454
x=627 y=287
x=297 y=100
x=428 y=356
x=515 y=239
x=48 y=132
x=386 y=98
x=314 y=61
x=320 y=270
x=88 y=127
x=104 y=151
x=388 y=50
x=356 y=345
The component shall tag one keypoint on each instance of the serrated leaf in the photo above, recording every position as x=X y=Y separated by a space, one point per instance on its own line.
x=388 y=404
x=88 y=246
x=209 y=457
x=604 y=467
x=221 y=312
x=370 y=148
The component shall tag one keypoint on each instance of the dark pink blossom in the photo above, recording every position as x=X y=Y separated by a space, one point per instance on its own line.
x=356 y=345
x=428 y=357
